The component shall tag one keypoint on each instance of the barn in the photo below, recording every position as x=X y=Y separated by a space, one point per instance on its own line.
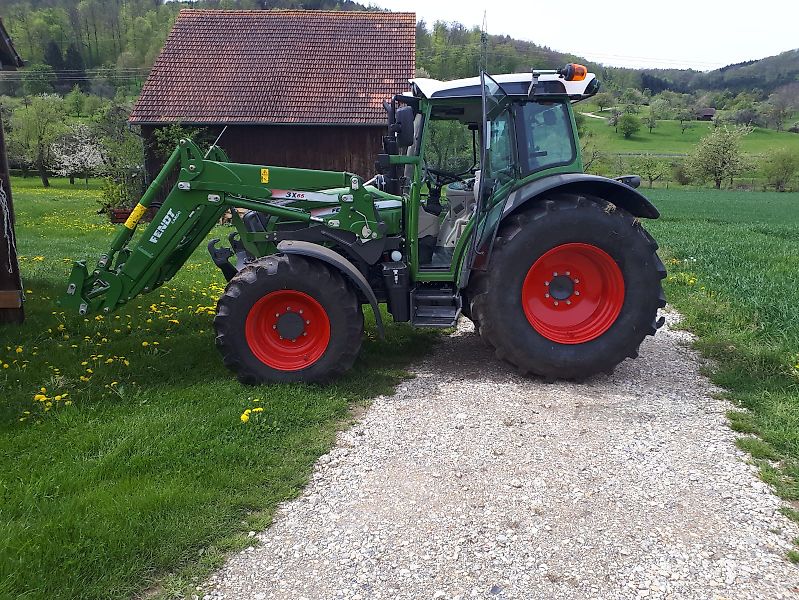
x=297 y=88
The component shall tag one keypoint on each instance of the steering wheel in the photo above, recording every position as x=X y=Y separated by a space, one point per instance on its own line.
x=440 y=178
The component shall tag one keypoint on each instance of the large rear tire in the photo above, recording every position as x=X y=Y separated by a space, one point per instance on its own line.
x=288 y=318
x=573 y=288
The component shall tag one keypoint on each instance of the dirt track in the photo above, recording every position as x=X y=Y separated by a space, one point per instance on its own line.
x=473 y=482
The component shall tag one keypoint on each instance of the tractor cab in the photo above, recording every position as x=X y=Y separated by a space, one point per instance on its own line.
x=465 y=172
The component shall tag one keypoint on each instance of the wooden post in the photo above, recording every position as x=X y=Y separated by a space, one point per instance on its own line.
x=11 y=310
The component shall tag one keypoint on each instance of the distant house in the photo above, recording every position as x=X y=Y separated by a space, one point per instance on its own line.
x=705 y=114
x=11 y=310
x=295 y=88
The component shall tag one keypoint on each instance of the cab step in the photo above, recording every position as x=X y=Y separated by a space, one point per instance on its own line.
x=435 y=307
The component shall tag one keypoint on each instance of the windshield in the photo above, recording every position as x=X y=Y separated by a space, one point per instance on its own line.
x=545 y=136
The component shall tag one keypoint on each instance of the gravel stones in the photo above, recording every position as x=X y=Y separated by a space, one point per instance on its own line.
x=473 y=482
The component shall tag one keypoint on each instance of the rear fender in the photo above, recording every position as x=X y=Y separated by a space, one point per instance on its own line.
x=620 y=194
x=337 y=261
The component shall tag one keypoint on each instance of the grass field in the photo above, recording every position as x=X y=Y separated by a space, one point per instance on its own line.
x=124 y=463
x=734 y=273
x=667 y=138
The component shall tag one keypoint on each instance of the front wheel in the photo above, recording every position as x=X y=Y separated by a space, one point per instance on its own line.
x=573 y=288
x=288 y=318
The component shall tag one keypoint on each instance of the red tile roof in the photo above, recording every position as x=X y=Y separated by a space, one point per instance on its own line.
x=279 y=66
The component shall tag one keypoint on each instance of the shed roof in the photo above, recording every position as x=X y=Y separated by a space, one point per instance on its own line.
x=9 y=59
x=279 y=66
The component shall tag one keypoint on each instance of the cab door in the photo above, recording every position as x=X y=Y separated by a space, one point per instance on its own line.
x=498 y=168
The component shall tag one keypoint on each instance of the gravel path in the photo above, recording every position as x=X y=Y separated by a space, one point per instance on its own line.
x=471 y=482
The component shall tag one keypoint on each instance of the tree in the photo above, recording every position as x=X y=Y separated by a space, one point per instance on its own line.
x=650 y=168
x=780 y=166
x=38 y=79
x=628 y=125
x=76 y=68
x=661 y=108
x=613 y=120
x=92 y=104
x=651 y=120
x=686 y=119
x=123 y=154
x=34 y=129
x=631 y=109
x=718 y=155
x=781 y=105
x=633 y=97
x=604 y=100
x=74 y=101
x=746 y=116
x=54 y=58
x=77 y=153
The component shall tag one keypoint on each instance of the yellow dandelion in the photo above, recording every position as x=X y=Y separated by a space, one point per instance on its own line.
x=145 y=344
x=245 y=417
x=19 y=349
x=259 y=409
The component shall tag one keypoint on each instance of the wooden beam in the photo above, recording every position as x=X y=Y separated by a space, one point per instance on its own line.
x=11 y=310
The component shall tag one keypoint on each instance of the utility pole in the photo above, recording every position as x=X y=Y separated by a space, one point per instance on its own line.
x=484 y=44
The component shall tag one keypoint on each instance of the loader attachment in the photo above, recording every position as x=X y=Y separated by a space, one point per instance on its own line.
x=207 y=186
x=177 y=229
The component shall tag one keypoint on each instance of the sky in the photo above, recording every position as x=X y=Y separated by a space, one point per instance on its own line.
x=697 y=34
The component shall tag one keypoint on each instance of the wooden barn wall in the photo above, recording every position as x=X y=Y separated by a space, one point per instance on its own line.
x=352 y=149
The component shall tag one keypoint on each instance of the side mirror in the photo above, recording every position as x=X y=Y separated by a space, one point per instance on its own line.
x=389 y=108
x=403 y=126
x=632 y=181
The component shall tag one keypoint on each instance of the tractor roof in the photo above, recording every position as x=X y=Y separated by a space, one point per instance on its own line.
x=514 y=84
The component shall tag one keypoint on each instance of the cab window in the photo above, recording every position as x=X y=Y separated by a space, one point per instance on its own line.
x=545 y=136
x=500 y=150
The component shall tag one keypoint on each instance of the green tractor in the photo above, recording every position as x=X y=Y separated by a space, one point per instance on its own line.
x=552 y=265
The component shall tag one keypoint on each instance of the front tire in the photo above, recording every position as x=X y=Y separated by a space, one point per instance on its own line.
x=287 y=318
x=573 y=288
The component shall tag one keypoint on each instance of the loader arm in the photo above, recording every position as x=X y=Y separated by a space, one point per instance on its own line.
x=207 y=186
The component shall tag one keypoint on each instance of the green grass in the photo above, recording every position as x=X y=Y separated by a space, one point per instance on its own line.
x=142 y=475
x=734 y=274
x=667 y=138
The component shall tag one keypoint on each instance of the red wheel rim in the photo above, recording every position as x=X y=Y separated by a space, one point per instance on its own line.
x=573 y=293
x=287 y=330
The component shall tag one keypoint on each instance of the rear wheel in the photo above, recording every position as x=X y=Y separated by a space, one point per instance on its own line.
x=288 y=318
x=573 y=288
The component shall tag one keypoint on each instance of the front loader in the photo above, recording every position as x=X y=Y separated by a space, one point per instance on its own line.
x=551 y=264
